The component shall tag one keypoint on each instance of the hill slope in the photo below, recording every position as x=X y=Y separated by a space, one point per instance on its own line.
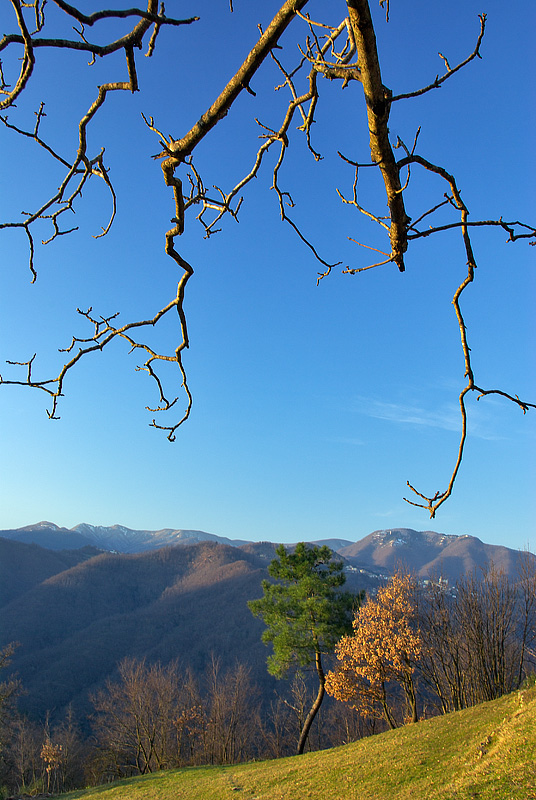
x=486 y=752
x=177 y=602
x=23 y=566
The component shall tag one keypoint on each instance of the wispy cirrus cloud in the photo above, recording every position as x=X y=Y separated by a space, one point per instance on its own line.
x=445 y=416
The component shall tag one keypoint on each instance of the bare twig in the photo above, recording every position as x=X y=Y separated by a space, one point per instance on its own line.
x=450 y=71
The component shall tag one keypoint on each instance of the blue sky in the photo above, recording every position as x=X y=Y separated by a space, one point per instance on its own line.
x=312 y=405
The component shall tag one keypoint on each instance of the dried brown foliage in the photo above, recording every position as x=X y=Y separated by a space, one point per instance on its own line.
x=379 y=659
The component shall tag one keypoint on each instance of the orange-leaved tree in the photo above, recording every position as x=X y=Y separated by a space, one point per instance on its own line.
x=376 y=664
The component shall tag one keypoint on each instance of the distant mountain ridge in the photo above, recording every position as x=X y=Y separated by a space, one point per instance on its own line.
x=116 y=538
x=429 y=554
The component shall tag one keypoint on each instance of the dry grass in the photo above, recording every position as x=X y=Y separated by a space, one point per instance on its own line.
x=483 y=753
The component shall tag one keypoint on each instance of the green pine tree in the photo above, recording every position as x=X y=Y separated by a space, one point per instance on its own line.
x=305 y=613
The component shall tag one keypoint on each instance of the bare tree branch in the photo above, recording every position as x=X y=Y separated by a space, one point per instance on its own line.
x=435 y=501
x=343 y=52
x=181 y=148
x=27 y=61
x=378 y=100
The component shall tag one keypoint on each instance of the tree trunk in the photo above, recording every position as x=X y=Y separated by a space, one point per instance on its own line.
x=386 y=710
x=315 y=707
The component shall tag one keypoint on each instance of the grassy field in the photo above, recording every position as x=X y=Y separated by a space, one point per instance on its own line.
x=483 y=753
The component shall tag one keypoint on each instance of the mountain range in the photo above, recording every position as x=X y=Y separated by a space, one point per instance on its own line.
x=80 y=601
x=115 y=538
x=424 y=553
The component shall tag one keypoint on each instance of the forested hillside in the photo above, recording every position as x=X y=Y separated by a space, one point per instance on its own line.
x=184 y=603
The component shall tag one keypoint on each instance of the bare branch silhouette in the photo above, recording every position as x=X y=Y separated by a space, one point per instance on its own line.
x=344 y=52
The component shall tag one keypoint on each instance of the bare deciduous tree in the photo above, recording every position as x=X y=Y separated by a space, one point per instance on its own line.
x=479 y=635
x=230 y=717
x=135 y=717
x=8 y=693
x=156 y=717
x=344 y=51
x=442 y=660
x=24 y=750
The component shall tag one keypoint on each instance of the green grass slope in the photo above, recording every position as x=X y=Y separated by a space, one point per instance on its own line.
x=483 y=753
